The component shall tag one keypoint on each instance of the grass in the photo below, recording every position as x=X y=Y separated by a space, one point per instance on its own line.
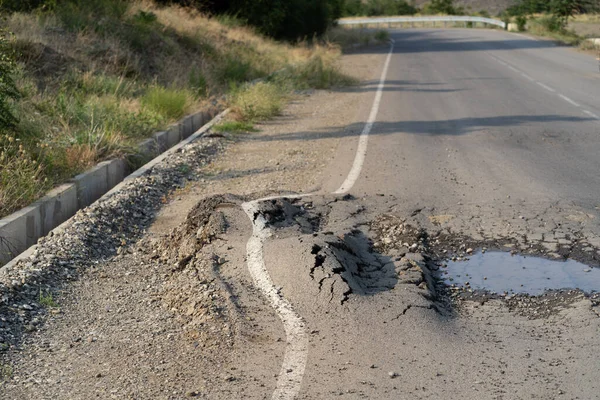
x=234 y=127
x=46 y=300
x=579 y=28
x=257 y=102
x=169 y=103
x=347 y=36
x=98 y=76
x=545 y=27
x=6 y=372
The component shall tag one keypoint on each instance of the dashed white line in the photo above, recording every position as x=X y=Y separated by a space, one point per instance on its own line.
x=548 y=88
x=568 y=100
x=296 y=352
x=363 y=140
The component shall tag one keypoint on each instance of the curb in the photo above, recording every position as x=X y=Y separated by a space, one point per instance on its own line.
x=20 y=231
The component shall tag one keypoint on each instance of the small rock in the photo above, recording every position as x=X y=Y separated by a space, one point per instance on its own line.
x=392 y=374
x=469 y=250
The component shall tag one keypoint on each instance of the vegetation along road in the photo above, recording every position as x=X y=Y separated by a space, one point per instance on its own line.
x=432 y=232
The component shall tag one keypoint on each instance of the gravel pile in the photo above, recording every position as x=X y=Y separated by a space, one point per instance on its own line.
x=93 y=235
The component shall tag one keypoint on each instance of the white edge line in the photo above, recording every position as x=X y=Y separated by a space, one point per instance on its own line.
x=548 y=88
x=591 y=114
x=361 y=151
x=527 y=77
x=568 y=100
x=296 y=352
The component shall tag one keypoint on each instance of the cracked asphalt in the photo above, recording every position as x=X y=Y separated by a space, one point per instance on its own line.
x=470 y=151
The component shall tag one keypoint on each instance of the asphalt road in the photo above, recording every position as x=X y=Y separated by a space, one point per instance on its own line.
x=470 y=104
x=497 y=136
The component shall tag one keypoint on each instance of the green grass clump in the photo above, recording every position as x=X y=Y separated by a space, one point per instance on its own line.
x=6 y=372
x=46 y=300
x=382 y=36
x=258 y=102
x=234 y=127
x=319 y=72
x=168 y=103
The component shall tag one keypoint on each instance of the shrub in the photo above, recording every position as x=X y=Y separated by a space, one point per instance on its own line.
x=382 y=36
x=552 y=23
x=521 y=21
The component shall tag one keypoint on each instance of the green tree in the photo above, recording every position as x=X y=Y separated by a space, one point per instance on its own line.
x=565 y=9
x=8 y=89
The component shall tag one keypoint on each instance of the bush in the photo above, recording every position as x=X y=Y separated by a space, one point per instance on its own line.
x=521 y=21
x=8 y=89
x=552 y=23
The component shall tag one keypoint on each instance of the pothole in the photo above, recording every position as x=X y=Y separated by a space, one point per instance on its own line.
x=501 y=272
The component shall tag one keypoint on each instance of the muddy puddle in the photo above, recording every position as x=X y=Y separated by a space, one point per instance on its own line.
x=501 y=272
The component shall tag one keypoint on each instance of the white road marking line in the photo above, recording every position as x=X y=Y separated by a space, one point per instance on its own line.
x=568 y=100
x=591 y=114
x=514 y=69
x=296 y=352
x=527 y=77
x=548 y=88
x=363 y=140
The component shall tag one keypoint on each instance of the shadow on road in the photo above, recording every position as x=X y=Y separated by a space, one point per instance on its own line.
x=452 y=127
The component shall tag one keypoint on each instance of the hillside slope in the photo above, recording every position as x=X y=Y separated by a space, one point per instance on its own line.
x=98 y=76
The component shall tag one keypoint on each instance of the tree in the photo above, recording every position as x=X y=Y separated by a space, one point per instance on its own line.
x=565 y=9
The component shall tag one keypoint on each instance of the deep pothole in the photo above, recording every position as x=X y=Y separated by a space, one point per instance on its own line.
x=509 y=274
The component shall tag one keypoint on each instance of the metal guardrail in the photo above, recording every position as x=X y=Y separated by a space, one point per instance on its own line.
x=393 y=20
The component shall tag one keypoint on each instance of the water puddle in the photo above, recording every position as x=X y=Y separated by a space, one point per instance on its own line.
x=502 y=272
